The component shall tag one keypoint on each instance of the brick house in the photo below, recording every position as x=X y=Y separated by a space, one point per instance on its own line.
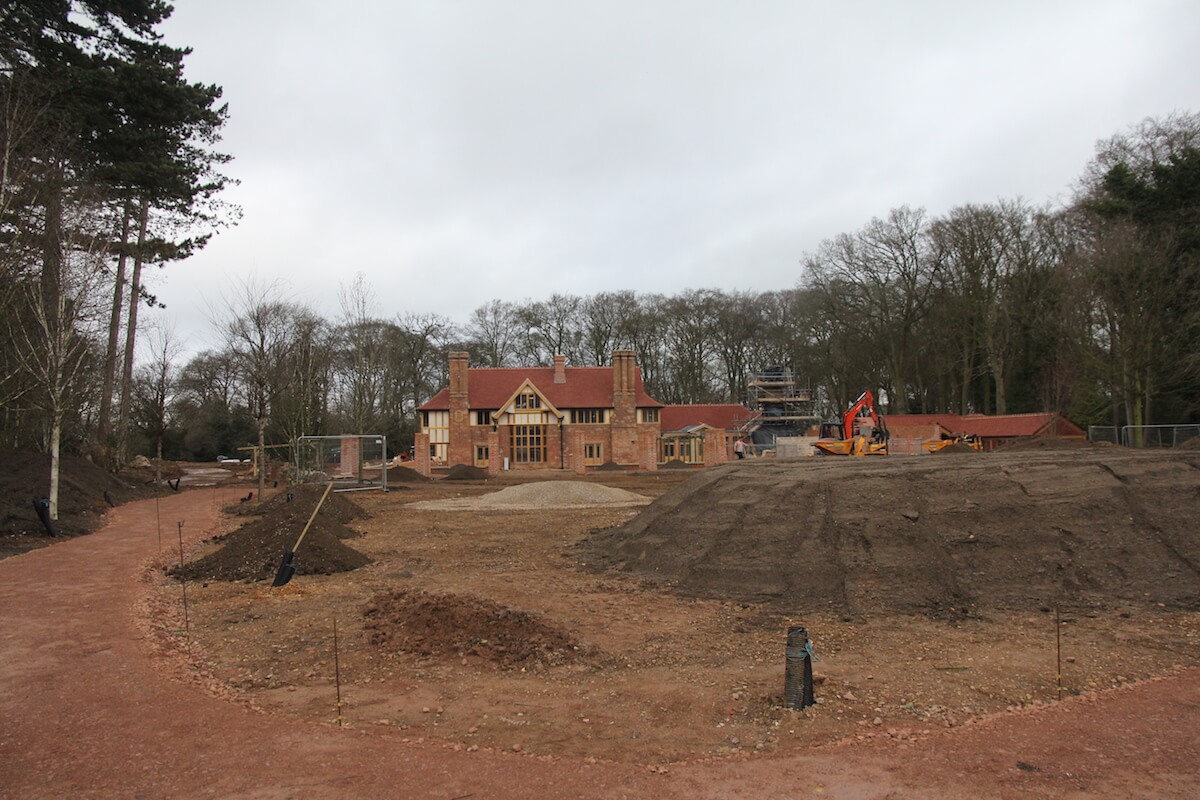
x=703 y=435
x=524 y=418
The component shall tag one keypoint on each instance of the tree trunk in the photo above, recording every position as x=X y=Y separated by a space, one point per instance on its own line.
x=997 y=365
x=135 y=290
x=104 y=424
x=55 y=443
x=261 y=457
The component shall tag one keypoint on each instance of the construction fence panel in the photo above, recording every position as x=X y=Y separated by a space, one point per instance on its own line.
x=1104 y=433
x=1158 y=435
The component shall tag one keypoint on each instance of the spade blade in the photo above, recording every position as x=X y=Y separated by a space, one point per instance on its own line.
x=287 y=568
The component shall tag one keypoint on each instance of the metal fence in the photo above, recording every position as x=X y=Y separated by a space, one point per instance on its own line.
x=1144 y=435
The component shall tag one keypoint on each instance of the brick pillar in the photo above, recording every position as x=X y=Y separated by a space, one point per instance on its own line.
x=495 y=457
x=716 y=447
x=348 y=463
x=421 y=454
x=648 y=448
x=574 y=452
x=459 y=449
x=556 y=447
x=625 y=448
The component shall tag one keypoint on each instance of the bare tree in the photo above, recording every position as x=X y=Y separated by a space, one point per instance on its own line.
x=259 y=336
x=494 y=334
x=155 y=388
x=880 y=281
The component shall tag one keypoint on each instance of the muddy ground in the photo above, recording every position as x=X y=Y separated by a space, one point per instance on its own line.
x=930 y=586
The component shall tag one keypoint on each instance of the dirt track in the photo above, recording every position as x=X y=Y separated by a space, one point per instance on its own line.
x=96 y=702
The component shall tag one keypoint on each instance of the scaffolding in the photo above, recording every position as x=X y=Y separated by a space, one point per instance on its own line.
x=778 y=406
x=780 y=400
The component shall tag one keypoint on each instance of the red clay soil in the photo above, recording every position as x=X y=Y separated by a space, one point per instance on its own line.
x=99 y=698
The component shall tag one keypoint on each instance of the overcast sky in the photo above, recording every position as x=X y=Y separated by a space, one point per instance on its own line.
x=457 y=152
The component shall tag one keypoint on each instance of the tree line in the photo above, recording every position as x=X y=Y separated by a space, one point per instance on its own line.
x=109 y=167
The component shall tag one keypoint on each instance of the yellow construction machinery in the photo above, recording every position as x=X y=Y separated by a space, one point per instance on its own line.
x=960 y=441
x=861 y=431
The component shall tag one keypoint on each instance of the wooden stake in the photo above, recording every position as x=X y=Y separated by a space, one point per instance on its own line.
x=187 y=630
x=337 y=673
x=1058 y=651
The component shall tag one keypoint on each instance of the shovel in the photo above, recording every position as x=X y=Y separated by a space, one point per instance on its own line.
x=287 y=567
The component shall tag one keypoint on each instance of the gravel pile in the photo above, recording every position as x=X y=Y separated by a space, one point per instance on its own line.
x=543 y=494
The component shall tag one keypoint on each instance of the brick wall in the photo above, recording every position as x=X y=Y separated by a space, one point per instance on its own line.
x=421 y=454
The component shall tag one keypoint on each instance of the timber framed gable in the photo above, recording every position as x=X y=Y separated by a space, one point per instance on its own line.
x=527 y=406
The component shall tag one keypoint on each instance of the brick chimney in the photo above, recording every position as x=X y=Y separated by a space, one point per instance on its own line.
x=459 y=451
x=459 y=362
x=624 y=418
x=560 y=369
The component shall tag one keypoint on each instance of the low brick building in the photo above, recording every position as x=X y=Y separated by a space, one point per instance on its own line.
x=908 y=431
x=559 y=417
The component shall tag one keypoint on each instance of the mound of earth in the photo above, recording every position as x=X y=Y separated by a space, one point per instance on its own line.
x=449 y=625
x=465 y=472
x=1100 y=528
x=610 y=466
x=403 y=474
x=253 y=552
x=81 y=496
x=675 y=463
x=304 y=498
x=540 y=494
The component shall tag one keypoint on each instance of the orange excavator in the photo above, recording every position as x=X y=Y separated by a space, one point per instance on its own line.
x=861 y=432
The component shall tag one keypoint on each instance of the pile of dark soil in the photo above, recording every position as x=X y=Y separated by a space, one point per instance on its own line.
x=610 y=466
x=253 y=552
x=449 y=625
x=304 y=498
x=1098 y=528
x=465 y=472
x=81 y=496
x=404 y=475
x=674 y=463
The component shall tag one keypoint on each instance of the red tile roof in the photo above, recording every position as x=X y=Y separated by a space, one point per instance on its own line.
x=723 y=416
x=586 y=387
x=989 y=427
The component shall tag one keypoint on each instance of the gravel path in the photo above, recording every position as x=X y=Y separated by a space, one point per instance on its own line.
x=91 y=706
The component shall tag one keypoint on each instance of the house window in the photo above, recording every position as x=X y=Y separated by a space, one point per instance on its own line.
x=528 y=400
x=483 y=418
x=437 y=425
x=648 y=414
x=587 y=416
x=481 y=455
x=685 y=448
x=593 y=454
x=528 y=444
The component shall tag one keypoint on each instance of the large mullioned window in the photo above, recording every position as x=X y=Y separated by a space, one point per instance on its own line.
x=527 y=444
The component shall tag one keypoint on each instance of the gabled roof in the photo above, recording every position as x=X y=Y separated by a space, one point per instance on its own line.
x=988 y=427
x=722 y=416
x=529 y=386
x=585 y=387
